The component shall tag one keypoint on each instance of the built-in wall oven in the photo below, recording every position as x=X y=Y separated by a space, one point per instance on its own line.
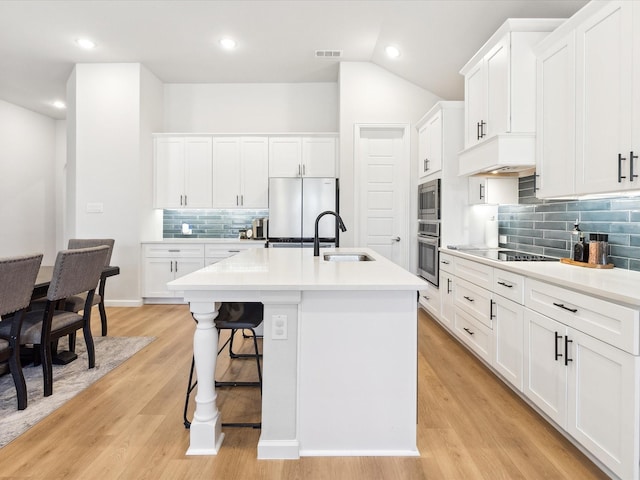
x=429 y=230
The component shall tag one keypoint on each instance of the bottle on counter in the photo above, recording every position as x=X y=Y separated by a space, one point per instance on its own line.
x=580 y=251
x=604 y=254
x=575 y=238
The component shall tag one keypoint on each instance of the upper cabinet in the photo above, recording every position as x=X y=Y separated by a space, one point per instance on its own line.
x=589 y=108
x=302 y=156
x=430 y=144
x=500 y=100
x=183 y=168
x=240 y=172
x=493 y=190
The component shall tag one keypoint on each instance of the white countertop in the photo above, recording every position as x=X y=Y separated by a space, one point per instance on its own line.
x=298 y=269
x=187 y=240
x=616 y=284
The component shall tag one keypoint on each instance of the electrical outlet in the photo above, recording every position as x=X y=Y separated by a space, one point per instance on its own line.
x=278 y=327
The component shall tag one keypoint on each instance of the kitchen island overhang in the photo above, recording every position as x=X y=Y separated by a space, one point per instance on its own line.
x=342 y=380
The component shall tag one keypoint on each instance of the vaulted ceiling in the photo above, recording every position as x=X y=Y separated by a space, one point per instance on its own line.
x=276 y=40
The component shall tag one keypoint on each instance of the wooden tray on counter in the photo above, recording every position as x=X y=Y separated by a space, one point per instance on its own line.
x=568 y=261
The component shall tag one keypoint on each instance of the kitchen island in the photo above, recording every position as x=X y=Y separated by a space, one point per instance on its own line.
x=339 y=351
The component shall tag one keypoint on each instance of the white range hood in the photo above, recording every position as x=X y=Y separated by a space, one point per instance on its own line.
x=508 y=152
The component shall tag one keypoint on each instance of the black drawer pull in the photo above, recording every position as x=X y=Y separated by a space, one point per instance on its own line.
x=566 y=351
x=172 y=250
x=445 y=262
x=561 y=305
x=491 y=304
x=449 y=285
x=233 y=251
x=467 y=330
x=505 y=284
x=425 y=297
x=470 y=299
x=558 y=354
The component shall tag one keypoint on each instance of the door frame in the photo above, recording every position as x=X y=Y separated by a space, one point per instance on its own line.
x=405 y=158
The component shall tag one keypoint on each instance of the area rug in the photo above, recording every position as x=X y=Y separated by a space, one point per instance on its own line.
x=68 y=381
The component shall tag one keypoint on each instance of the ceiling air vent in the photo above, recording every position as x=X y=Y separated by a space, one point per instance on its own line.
x=329 y=54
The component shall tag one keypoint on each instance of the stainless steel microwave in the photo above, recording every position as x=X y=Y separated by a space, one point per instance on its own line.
x=429 y=200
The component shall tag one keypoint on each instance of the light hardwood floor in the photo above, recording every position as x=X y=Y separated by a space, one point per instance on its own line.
x=129 y=425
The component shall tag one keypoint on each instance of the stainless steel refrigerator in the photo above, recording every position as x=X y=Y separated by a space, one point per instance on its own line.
x=294 y=204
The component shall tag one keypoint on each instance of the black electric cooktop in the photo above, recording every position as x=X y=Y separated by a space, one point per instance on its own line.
x=510 y=255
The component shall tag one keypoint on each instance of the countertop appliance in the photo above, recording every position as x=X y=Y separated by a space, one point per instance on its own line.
x=294 y=204
x=259 y=228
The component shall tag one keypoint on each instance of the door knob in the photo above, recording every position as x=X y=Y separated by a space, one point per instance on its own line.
x=396 y=239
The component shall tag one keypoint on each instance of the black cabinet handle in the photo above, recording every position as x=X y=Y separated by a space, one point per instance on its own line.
x=631 y=174
x=566 y=351
x=180 y=200
x=426 y=164
x=558 y=354
x=176 y=266
x=478 y=131
x=185 y=201
x=445 y=262
x=620 y=159
x=467 y=330
x=470 y=299
x=561 y=305
x=481 y=192
x=535 y=183
x=448 y=285
x=482 y=125
x=171 y=266
x=425 y=297
x=505 y=284
x=491 y=314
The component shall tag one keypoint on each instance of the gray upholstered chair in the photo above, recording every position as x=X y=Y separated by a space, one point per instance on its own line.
x=76 y=303
x=233 y=316
x=75 y=271
x=17 y=278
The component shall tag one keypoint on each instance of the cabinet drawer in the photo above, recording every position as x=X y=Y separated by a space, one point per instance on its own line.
x=447 y=262
x=474 y=272
x=178 y=250
x=430 y=300
x=228 y=249
x=476 y=335
x=607 y=321
x=509 y=285
x=474 y=300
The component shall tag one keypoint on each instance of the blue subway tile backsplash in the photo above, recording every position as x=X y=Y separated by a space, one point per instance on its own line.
x=209 y=223
x=544 y=226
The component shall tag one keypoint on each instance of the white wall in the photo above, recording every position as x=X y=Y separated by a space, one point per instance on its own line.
x=251 y=108
x=370 y=94
x=27 y=184
x=110 y=162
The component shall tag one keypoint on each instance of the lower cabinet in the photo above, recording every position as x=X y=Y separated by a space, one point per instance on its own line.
x=508 y=335
x=588 y=387
x=430 y=300
x=165 y=262
x=447 y=299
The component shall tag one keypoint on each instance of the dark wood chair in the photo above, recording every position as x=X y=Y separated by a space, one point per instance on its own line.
x=75 y=272
x=233 y=316
x=76 y=303
x=17 y=278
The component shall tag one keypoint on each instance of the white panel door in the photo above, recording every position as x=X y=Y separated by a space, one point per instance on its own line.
x=255 y=172
x=474 y=105
x=383 y=199
x=508 y=331
x=169 y=178
x=198 y=173
x=498 y=89
x=226 y=172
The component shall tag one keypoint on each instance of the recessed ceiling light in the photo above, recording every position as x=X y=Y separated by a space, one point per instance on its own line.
x=392 y=51
x=86 y=43
x=60 y=104
x=228 y=43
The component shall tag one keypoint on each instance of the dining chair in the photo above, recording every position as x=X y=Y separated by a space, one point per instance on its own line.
x=17 y=278
x=75 y=271
x=233 y=316
x=76 y=303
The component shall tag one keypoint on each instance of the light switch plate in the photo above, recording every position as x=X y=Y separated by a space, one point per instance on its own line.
x=278 y=327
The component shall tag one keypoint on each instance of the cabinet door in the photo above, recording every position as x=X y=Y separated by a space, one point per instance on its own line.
x=603 y=402
x=555 y=128
x=157 y=272
x=430 y=300
x=497 y=89
x=422 y=151
x=285 y=157
x=319 y=157
x=447 y=299
x=474 y=300
x=434 y=144
x=474 y=104
x=226 y=173
x=508 y=331
x=477 y=190
x=545 y=375
x=255 y=172
x=603 y=99
x=169 y=172
x=184 y=266
x=198 y=172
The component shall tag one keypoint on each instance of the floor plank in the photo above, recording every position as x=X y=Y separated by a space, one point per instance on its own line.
x=128 y=425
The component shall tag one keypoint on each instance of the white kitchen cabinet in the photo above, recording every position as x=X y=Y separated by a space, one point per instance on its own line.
x=447 y=299
x=302 y=156
x=493 y=190
x=240 y=172
x=555 y=124
x=605 y=100
x=430 y=144
x=508 y=339
x=430 y=299
x=183 y=172
x=476 y=335
x=216 y=252
x=500 y=98
x=165 y=262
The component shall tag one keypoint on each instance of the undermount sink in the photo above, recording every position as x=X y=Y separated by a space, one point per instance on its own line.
x=347 y=257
